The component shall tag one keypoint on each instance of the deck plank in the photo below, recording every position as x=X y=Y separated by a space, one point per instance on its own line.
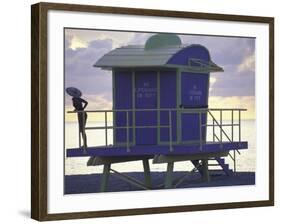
x=140 y=150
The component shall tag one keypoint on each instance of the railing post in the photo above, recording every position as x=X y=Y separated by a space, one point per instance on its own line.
x=232 y=125
x=232 y=138
x=239 y=117
x=170 y=130
x=221 y=125
x=127 y=130
x=200 y=129
x=214 y=134
x=134 y=107
x=134 y=126
x=105 y=120
x=221 y=145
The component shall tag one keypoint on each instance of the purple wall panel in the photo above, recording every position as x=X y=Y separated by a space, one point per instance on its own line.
x=168 y=99
x=194 y=94
x=194 y=89
x=123 y=89
x=121 y=121
x=123 y=100
x=146 y=98
x=165 y=132
x=146 y=89
x=168 y=89
x=190 y=127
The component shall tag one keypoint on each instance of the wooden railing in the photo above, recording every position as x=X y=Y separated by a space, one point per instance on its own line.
x=200 y=111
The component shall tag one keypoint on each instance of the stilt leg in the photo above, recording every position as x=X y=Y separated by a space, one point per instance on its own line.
x=105 y=175
x=206 y=176
x=169 y=175
x=147 y=177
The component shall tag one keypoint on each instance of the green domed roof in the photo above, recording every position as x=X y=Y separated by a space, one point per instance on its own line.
x=162 y=40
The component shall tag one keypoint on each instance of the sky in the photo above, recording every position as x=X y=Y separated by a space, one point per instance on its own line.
x=233 y=88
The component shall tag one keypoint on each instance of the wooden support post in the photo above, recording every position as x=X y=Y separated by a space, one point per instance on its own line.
x=169 y=175
x=206 y=176
x=105 y=176
x=147 y=177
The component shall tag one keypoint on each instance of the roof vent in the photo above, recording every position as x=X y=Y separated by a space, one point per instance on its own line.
x=162 y=40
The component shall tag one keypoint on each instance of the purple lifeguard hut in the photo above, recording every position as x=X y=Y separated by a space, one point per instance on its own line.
x=160 y=111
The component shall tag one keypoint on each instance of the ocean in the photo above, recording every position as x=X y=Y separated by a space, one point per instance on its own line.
x=246 y=161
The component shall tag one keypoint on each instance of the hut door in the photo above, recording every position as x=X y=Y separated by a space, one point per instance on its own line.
x=194 y=94
x=146 y=98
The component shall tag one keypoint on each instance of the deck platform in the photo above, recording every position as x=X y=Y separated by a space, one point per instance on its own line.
x=147 y=150
x=107 y=155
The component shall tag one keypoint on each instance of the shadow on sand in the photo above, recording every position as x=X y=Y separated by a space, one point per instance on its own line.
x=90 y=183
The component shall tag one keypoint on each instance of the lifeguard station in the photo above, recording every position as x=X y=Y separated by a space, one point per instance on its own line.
x=160 y=112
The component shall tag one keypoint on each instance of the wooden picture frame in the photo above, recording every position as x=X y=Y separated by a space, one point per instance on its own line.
x=39 y=109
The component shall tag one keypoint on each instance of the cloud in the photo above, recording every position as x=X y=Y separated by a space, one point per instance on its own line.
x=232 y=83
x=248 y=64
x=212 y=81
x=236 y=56
x=79 y=70
x=82 y=37
x=85 y=47
x=224 y=50
x=140 y=38
x=77 y=43
x=95 y=102
x=98 y=102
x=244 y=102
